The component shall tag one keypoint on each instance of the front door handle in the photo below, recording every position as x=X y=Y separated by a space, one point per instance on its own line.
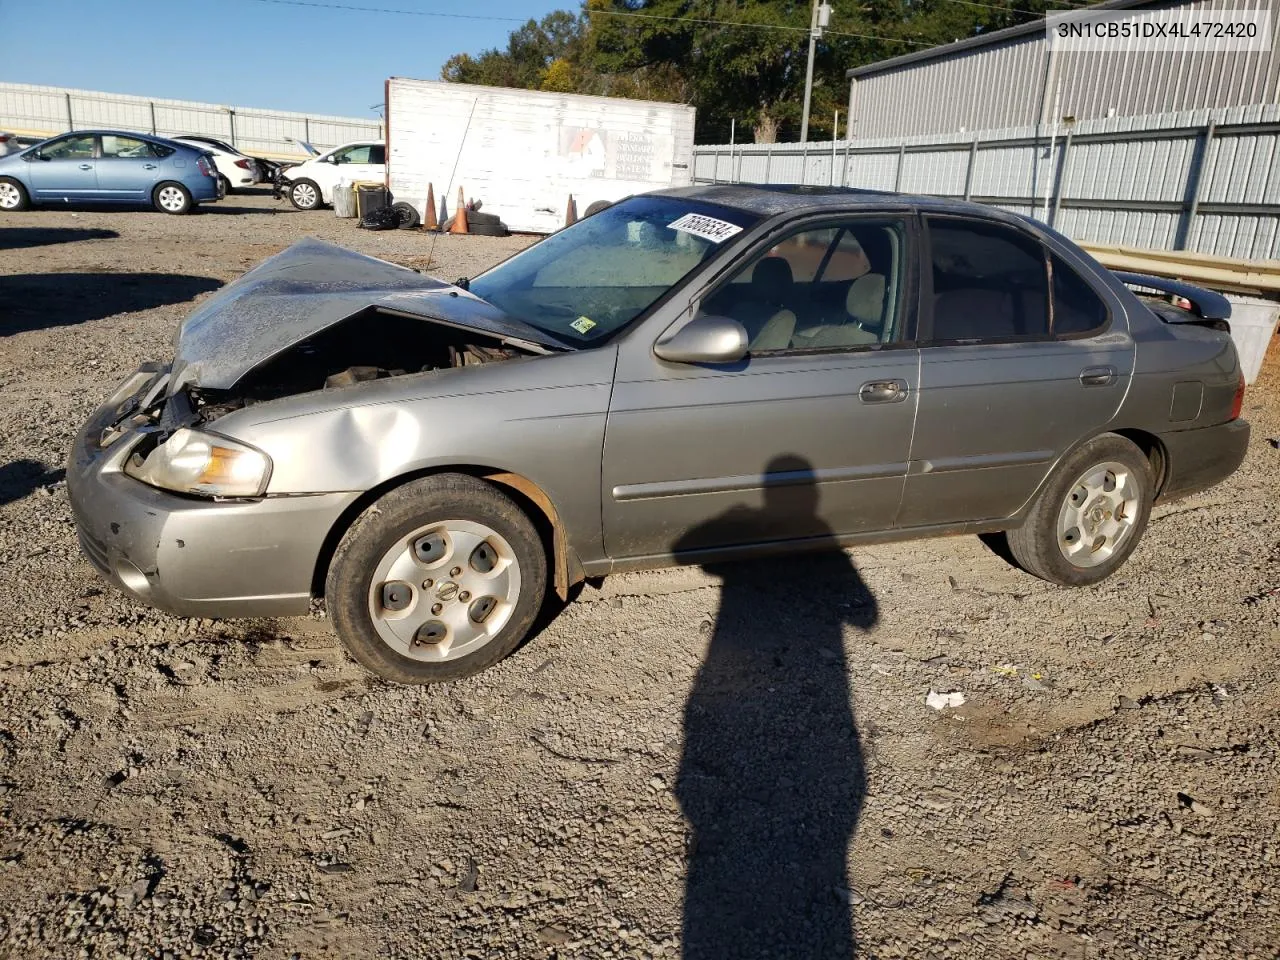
x=86 y=166
x=883 y=391
x=148 y=166
x=1098 y=376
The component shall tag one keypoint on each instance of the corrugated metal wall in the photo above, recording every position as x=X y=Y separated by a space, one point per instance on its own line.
x=1003 y=85
x=36 y=110
x=1205 y=180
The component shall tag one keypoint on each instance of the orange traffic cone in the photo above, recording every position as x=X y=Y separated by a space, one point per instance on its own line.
x=571 y=213
x=429 y=222
x=460 y=216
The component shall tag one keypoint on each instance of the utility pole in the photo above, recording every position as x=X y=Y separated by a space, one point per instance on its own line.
x=821 y=17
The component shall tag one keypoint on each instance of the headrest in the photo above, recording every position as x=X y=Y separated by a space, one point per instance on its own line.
x=865 y=301
x=772 y=275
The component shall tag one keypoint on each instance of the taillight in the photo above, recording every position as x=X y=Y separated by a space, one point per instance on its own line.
x=243 y=163
x=4 y=138
x=1237 y=402
x=205 y=166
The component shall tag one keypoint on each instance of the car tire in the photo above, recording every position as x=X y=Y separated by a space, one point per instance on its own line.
x=13 y=195
x=305 y=195
x=476 y=217
x=170 y=197
x=596 y=208
x=1089 y=516
x=226 y=186
x=408 y=590
x=409 y=218
x=498 y=229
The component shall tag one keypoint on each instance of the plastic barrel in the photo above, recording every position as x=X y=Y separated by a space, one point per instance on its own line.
x=1253 y=325
x=344 y=199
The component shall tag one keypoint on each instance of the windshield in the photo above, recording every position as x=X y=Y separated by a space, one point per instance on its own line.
x=592 y=279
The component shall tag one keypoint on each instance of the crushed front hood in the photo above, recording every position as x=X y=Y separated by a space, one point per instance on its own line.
x=308 y=288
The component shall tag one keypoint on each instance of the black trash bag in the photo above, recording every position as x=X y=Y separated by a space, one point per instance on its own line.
x=384 y=218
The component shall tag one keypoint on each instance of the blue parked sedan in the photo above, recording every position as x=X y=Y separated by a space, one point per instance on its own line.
x=108 y=166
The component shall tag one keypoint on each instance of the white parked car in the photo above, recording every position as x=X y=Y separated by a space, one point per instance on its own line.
x=8 y=143
x=310 y=184
x=235 y=170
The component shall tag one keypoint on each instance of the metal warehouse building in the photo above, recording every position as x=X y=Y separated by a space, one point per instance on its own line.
x=1013 y=78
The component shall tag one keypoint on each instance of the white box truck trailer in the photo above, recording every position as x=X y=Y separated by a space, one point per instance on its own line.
x=523 y=153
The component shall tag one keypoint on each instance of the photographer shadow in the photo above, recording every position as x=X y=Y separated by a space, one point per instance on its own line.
x=771 y=779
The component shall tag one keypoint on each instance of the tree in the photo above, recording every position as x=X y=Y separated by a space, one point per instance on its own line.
x=735 y=60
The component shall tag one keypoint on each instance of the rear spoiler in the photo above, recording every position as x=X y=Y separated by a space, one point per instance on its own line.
x=1206 y=304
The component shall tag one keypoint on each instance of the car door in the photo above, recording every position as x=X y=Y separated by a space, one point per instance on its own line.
x=796 y=441
x=66 y=169
x=364 y=162
x=1021 y=358
x=128 y=168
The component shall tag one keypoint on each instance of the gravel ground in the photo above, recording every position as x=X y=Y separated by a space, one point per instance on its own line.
x=173 y=788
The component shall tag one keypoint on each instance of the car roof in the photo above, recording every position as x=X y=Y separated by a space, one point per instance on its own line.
x=781 y=198
x=123 y=133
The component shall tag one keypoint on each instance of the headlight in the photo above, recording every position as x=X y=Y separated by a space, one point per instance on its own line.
x=194 y=462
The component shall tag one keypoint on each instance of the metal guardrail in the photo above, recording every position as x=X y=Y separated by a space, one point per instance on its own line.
x=1218 y=273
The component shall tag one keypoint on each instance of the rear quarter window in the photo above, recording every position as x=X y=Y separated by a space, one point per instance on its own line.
x=1077 y=309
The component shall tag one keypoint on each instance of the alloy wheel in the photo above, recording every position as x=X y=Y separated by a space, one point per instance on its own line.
x=304 y=195
x=10 y=197
x=171 y=199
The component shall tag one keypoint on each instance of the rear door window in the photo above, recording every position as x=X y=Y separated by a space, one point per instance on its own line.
x=125 y=148
x=990 y=282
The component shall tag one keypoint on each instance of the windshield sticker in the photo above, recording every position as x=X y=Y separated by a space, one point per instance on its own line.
x=709 y=228
x=583 y=324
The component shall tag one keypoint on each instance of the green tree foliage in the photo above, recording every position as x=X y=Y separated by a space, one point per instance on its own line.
x=732 y=59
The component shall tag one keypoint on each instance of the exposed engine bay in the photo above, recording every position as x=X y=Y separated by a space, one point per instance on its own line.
x=372 y=345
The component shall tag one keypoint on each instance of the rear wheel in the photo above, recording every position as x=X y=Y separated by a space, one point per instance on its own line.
x=172 y=198
x=13 y=195
x=226 y=190
x=438 y=580
x=1089 y=517
x=305 y=195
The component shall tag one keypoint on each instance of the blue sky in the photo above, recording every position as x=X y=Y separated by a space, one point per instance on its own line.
x=248 y=53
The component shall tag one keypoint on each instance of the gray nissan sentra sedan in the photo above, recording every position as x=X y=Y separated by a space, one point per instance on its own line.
x=675 y=379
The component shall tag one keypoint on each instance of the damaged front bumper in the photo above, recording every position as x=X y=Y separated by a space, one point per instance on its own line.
x=183 y=554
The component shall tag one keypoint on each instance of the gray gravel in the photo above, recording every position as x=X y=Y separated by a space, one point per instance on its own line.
x=176 y=788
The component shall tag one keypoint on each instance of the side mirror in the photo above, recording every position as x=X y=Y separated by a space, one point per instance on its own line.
x=704 y=339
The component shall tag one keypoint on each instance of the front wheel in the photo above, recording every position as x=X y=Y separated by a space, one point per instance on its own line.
x=172 y=198
x=305 y=195
x=13 y=195
x=1089 y=517
x=437 y=580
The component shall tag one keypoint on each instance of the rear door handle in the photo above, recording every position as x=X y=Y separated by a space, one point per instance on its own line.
x=86 y=166
x=148 y=166
x=883 y=391
x=1098 y=376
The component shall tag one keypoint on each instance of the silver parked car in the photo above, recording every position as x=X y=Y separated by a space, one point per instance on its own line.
x=688 y=375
